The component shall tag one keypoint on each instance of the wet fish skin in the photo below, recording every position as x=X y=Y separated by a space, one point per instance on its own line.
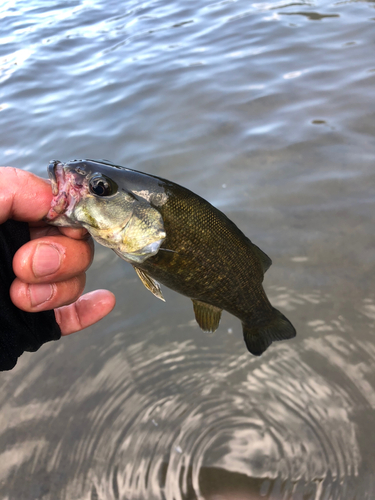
x=213 y=262
x=196 y=250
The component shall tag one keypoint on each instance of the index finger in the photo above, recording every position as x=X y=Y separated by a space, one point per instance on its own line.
x=23 y=195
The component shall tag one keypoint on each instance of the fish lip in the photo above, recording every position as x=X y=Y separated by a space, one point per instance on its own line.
x=56 y=174
x=59 y=203
x=67 y=185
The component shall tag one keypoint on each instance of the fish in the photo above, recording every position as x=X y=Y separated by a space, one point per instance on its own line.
x=172 y=237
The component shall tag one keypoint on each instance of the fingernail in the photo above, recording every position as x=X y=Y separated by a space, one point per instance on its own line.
x=47 y=260
x=40 y=293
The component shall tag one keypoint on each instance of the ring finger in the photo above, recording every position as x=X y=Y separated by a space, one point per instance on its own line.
x=35 y=297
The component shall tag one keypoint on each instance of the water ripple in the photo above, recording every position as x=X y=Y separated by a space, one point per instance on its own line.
x=154 y=424
x=266 y=112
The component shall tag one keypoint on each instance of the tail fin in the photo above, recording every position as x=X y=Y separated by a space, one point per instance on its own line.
x=260 y=335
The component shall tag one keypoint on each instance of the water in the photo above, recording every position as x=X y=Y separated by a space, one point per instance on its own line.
x=267 y=110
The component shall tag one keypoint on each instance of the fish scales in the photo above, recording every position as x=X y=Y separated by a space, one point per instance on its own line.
x=206 y=244
x=173 y=237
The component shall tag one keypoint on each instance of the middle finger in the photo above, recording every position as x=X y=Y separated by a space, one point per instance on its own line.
x=52 y=258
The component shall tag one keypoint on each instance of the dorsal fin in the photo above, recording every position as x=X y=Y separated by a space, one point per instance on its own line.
x=150 y=283
x=264 y=259
x=207 y=316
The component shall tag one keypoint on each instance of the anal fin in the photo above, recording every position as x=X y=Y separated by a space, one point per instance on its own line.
x=207 y=316
x=150 y=283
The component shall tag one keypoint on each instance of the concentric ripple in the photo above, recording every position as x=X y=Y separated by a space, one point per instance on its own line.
x=197 y=418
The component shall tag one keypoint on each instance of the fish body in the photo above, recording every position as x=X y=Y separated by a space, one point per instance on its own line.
x=172 y=237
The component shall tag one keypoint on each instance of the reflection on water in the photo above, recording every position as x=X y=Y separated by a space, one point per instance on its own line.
x=312 y=16
x=266 y=110
x=179 y=419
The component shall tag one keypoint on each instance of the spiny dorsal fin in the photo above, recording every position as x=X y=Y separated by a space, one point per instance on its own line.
x=260 y=335
x=264 y=259
x=207 y=316
x=150 y=283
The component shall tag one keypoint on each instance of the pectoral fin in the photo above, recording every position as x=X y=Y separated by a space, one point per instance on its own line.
x=150 y=283
x=207 y=316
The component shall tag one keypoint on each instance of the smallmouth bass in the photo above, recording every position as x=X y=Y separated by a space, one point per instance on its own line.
x=172 y=237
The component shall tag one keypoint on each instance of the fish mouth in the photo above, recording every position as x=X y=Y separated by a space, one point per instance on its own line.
x=69 y=186
x=56 y=175
x=60 y=202
x=64 y=193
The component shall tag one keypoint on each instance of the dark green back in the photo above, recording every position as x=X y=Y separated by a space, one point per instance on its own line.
x=206 y=257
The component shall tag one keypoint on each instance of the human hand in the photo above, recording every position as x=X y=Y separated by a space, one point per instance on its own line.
x=50 y=269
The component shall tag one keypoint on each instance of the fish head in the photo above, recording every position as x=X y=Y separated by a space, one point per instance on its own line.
x=85 y=196
x=102 y=198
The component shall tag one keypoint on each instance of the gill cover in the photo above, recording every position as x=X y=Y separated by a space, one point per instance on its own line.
x=143 y=234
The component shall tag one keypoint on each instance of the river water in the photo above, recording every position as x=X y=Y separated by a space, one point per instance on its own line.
x=267 y=110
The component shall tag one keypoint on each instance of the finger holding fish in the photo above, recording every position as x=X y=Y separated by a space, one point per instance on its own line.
x=35 y=297
x=73 y=311
x=45 y=281
x=50 y=272
x=52 y=259
x=42 y=229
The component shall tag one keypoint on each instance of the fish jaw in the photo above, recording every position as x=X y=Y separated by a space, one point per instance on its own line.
x=67 y=189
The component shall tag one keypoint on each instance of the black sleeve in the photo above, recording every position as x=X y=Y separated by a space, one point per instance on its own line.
x=19 y=330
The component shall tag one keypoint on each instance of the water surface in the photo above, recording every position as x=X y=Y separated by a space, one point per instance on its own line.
x=267 y=110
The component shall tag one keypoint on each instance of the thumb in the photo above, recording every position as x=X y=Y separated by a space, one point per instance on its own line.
x=23 y=195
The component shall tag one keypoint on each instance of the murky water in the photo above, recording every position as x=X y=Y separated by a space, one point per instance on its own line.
x=267 y=110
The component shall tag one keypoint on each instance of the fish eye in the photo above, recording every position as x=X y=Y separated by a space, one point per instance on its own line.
x=100 y=185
